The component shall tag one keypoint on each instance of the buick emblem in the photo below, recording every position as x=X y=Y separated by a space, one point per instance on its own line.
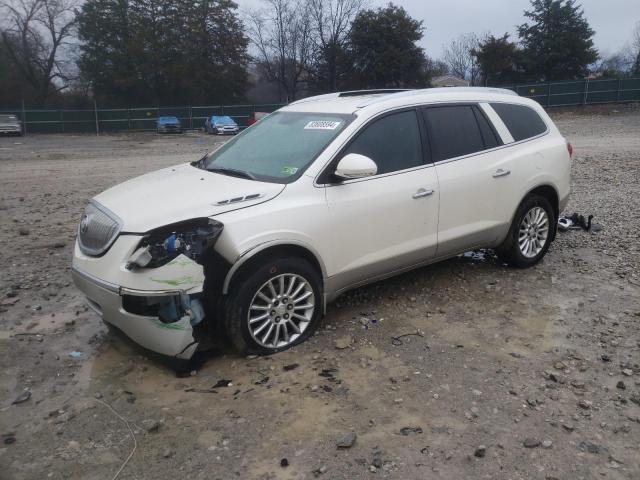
x=84 y=224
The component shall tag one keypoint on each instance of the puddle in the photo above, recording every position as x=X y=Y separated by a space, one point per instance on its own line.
x=481 y=255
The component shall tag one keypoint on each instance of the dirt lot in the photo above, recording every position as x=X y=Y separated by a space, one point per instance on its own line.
x=512 y=374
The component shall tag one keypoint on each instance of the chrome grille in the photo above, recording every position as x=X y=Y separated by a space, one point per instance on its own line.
x=97 y=230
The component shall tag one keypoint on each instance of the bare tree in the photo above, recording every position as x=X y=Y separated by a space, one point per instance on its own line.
x=435 y=68
x=634 y=54
x=281 y=34
x=331 y=24
x=626 y=61
x=34 y=33
x=458 y=56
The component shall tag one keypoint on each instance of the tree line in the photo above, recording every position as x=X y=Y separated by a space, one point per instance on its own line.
x=177 y=52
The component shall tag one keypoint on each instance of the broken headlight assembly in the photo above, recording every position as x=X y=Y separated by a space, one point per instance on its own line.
x=191 y=239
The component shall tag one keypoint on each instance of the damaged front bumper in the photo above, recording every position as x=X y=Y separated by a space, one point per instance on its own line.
x=171 y=335
x=162 y=320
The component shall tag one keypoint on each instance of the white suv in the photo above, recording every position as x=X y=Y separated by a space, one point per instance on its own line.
x=322 y=196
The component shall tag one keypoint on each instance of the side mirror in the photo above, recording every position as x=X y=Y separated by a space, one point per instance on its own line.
x=354 y=165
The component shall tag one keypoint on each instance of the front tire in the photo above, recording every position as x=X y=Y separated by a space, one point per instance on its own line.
x=273 y=306
x=531 y=233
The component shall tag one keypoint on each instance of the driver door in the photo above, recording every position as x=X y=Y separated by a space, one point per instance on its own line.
x=387 y=222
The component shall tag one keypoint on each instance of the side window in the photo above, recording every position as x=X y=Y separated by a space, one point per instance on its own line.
x=523 y=122
x=393 y=142
x=453 y=131
x=488 y=134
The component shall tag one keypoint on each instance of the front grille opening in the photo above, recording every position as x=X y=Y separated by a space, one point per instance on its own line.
x=167 y=308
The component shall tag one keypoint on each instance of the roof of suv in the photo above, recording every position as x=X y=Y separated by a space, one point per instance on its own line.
x=351 y=102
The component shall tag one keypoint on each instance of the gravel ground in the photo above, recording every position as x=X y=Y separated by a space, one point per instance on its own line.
x=514 y=374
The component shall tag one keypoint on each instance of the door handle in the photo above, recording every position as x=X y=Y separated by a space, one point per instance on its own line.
x=423 y=192
x=501 y=173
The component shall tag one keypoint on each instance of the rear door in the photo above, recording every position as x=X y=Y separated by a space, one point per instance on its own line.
x=472 y=177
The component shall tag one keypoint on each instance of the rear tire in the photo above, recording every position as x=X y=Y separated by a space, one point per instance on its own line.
x=530 y=235
x=273 y=306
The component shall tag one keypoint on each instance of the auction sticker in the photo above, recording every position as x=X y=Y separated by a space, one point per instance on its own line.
x=322 y=125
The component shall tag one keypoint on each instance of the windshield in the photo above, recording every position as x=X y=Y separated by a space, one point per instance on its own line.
x=279 y=147
x=226 y=120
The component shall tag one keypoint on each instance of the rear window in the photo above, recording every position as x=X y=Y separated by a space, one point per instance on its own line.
x=454 y=132
x=523 y=122
x=488 y=135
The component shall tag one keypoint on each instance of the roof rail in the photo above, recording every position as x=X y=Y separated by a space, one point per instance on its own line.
x=377 y=91
x=351 y=93
x=433 y=91
x=383 y=94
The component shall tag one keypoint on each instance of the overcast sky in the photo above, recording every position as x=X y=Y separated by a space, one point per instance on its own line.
x=612 y=20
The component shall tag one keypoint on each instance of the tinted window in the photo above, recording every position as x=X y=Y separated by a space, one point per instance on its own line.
x=488 y=135
x=453 y=131
x=393 y=142
x=523 y=122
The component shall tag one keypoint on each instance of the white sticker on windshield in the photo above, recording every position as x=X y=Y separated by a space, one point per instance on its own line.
x=322 y=125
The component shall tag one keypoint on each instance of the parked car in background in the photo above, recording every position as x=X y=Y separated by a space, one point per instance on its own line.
x=255 y=117
x=10 y=124
x=221 y=125
x=324 y=195
x=168 y=124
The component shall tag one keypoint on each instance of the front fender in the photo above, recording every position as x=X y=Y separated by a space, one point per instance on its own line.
x=255 y=250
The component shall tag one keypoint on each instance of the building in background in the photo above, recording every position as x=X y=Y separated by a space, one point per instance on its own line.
x=449 y=81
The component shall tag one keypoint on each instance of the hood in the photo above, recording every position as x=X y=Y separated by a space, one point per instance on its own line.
x=180 y=193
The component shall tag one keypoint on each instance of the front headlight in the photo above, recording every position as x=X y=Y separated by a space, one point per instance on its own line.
x=191 y=239
x=98 y=229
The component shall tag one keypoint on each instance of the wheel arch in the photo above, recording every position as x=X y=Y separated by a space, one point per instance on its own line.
x=551 y=194
x=270 y=249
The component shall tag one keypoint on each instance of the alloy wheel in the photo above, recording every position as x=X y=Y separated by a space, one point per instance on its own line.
x=281 y=310
x=533 y=232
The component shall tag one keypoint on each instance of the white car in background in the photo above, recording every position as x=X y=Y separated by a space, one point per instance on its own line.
x=10 y=124
x=324 y=195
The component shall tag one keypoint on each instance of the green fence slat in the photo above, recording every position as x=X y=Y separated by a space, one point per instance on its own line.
x=553 y=94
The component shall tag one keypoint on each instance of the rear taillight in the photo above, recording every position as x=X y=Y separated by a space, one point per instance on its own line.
x=570 y=149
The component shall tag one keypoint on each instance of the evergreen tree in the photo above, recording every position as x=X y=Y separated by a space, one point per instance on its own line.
x=168 y=52
x=498 y=60
x=382 y=45
x=109 y=54
x=557 y=43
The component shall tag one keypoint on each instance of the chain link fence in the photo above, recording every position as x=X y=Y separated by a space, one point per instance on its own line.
x=99 y=120
x=553 y=94
x=580 y=92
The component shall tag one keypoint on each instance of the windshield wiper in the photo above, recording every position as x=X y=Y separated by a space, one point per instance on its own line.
x=232 y=172
x=200 y=163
